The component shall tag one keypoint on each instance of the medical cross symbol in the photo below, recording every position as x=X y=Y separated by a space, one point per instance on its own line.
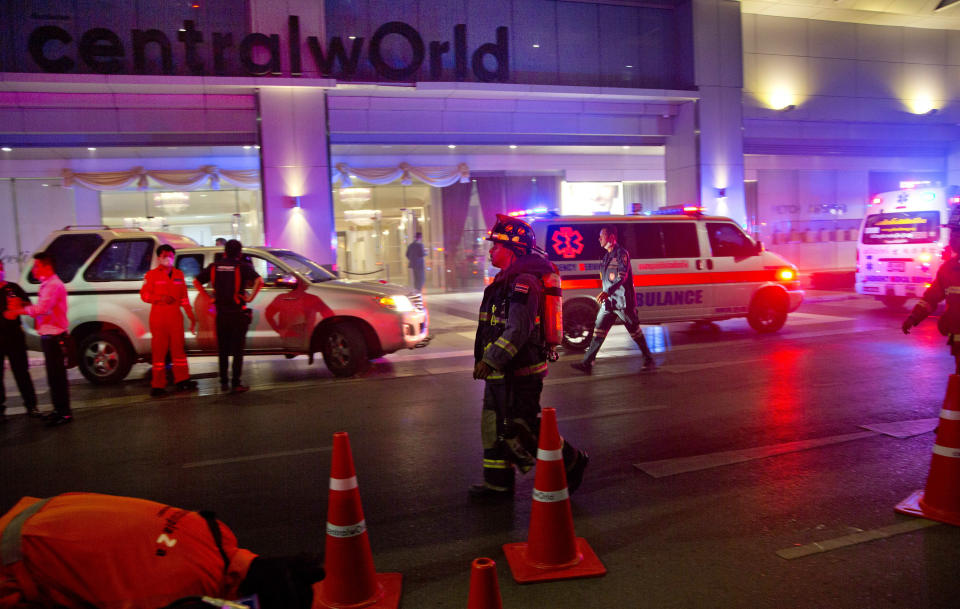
x=902 y=197
x=567 y=242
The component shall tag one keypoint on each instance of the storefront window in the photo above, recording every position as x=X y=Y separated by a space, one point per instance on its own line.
x=375 y=224
x=202 y=215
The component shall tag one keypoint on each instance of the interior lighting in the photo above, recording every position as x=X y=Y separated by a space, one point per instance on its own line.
x=451 y=146
x=6 y=149
x=536 y=46
x=91 y=149
x=625 y=147
x=781 y=99
x=351 y=37
x=628 y=66
x=247 y=147
x=512 y=147
x=921 y=104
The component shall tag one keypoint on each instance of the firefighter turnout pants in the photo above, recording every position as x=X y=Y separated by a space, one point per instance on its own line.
x=510 y=429
x=605 y=320
x=166 y=329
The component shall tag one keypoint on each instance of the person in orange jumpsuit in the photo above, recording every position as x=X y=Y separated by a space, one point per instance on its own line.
x=83 y=550
x=165 y=289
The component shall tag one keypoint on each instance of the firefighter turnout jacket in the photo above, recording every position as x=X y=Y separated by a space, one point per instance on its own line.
x=617 y=276
x=82 y=550
x=509 y=337
x=946 y=286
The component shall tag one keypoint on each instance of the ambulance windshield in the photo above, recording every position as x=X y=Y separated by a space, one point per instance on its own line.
x=902 y=227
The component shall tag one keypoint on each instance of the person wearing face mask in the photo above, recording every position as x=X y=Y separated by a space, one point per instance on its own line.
x=165 y=289
x=50 y=320
x=13 y=347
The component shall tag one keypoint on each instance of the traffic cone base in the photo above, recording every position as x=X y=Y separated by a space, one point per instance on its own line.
x=389 y=586
x=915 y=506
x=525 y=572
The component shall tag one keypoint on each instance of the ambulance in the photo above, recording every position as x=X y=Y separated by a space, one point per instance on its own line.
x=903 y=241
x=686 y=267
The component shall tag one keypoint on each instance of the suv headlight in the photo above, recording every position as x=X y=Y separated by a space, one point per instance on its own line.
x=397 y=303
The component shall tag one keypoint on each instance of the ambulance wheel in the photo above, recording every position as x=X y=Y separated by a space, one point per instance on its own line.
x=768 y=312
x=578 y=320
x=104 y=358
x=344 y=350
x=894 y=303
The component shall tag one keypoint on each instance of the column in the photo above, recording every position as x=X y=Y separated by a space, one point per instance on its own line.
x=705 y=153
x=297 y=201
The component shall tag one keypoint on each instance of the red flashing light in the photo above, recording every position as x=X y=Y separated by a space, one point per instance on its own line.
x=692 y=209
x=876 y=201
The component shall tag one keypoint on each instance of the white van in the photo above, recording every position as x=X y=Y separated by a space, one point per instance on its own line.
x=686 y=267
x=903 y=242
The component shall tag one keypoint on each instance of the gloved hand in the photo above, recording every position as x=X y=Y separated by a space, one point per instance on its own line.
x=907 y=324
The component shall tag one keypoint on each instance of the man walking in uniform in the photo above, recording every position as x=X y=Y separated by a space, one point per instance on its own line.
x=946 y=286
x=50 y=319
x=165 y=289
x=510 y=353
x=13 y=348
x=415 y=256
x=618 y=299
x=228 y=275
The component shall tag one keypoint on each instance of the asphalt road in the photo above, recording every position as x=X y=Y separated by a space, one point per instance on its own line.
x=737 y=475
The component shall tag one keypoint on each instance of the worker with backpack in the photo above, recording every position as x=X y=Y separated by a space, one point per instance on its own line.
x=513 y=343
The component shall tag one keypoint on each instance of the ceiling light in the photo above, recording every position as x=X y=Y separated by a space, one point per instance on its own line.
x=512 y=147
x=536 y=46
x=247 y=147
x=628 y=66
x=352 y=37
x=451 y=146
x=6 y=149
x=625 y=147
x=91 y=149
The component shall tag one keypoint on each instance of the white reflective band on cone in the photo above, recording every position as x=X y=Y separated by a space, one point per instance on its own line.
x=946 y=451
x=343 y=484
x=550 y=455
x=950 y=415
x=351 y=530
x=550 y=496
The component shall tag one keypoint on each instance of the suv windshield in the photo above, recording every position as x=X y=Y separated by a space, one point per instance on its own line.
x=313 y=272
x=902 y=227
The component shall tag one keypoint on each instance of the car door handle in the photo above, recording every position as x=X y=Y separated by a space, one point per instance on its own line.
x=699 y=265
x=709 y=264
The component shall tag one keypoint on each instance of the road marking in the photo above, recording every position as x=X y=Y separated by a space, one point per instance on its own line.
x=684 y=368
x=612 y=413
x=819 y=547
x=800 y=319
x=286 y=453
x=904 y=429
x=680 y=465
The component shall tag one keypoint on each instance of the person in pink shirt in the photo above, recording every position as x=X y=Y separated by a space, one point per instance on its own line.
x=50 y=319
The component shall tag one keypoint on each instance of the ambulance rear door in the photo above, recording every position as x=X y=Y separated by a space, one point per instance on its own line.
x=668 y=269
x=737 y=268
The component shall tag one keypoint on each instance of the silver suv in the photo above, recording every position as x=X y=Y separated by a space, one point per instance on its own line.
x=303 y=309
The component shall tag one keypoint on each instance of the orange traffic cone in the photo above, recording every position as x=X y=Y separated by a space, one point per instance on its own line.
x=551 y=551
x=941 y=498
x=484 y=590
x=351 y=580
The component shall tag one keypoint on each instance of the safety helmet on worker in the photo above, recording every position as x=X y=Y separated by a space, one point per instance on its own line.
x=513 y=232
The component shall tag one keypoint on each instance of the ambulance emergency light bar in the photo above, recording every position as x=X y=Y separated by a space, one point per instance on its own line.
x=528 y=212
x=678 y=210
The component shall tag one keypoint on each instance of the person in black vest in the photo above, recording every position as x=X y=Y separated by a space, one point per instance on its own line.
x=228 y=275
x=618 y=299
x=13 y=347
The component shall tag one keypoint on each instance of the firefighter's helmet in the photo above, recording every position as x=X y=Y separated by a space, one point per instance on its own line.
x=513 y=231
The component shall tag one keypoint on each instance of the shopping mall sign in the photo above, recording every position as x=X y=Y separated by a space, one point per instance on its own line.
x=101 y=50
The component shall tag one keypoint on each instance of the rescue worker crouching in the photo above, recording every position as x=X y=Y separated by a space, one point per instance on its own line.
x=165 y=289
x=510 y=353
x=946 y=286
x=83 y=550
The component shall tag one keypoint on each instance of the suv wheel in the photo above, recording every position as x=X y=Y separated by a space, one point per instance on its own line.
x=344 y=350
x=768 y=312
x=104 y=358
x=578 y=321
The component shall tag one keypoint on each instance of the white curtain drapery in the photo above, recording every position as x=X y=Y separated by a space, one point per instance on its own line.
x=186 y=179
x=434 y=176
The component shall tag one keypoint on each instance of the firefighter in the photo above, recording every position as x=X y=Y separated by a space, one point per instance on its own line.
x=83 y=550
x=228 y=275
x=165 y=290
x=618 y=299
x=946 y=285
x=510 y=353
